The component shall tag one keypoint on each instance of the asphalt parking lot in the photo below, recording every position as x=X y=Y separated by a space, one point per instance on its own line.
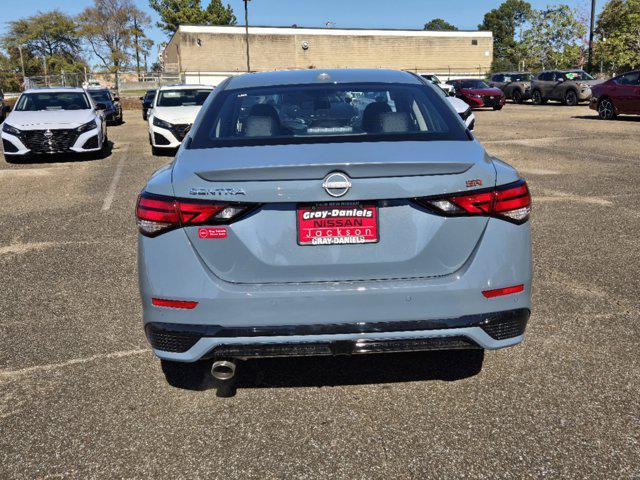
x=81 y=395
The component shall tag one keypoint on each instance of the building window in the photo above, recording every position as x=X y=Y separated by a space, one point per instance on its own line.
x=474 y=42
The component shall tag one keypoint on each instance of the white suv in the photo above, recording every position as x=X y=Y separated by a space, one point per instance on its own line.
x=172 y=113
x=54 y=120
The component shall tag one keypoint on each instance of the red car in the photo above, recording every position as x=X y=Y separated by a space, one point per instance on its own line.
x=478 y=94
x=617 y=96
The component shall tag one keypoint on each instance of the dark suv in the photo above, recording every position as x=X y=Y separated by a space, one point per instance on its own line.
x=113 y=111
x=567 y=86
x=515 y=85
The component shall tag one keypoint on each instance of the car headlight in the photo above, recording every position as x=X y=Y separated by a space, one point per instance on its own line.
x=10 y=130
x=87 y=127
x=584 y=85
x=161 y=123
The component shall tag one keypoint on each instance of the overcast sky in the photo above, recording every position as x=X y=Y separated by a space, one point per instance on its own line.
x=465 y=14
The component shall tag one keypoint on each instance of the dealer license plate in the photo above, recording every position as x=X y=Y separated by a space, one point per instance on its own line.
x=338 y=223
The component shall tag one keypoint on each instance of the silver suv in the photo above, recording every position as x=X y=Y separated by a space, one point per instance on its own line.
x=567 y=86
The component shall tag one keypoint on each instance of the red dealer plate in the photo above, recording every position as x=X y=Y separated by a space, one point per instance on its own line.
x=337 y=223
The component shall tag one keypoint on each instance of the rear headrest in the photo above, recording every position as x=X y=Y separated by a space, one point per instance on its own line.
x=394 y=122
x=371 y=116
x=260 y=127
x=263 y=121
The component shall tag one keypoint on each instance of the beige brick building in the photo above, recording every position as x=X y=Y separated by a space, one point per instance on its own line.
x=207 y=54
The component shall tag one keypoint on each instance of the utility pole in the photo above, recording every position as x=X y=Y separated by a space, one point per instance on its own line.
x=593 y=14
x=246 y=31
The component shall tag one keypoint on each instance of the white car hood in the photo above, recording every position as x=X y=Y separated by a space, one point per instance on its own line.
x=177 y=115
x=50 y=119
x=460 y=105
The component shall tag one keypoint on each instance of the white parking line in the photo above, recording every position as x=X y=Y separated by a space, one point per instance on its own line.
x=108 y=200
x=9 y=374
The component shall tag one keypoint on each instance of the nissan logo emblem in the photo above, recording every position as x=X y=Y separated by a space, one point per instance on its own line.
x=48 y=134
x=336 y=184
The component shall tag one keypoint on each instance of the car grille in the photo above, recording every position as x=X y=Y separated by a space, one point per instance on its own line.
x=180 y=131
x=490 y=101
x=49 y=141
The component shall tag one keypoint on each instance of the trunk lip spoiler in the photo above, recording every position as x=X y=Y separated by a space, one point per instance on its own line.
x=320 y=171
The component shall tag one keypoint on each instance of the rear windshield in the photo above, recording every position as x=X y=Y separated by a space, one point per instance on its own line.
x=182 y=98
x=518 y=77
x=100 y=95
x=327 y=113
x=32 y=102
x=473 y=84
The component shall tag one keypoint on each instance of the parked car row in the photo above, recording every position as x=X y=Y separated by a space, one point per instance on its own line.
x=66 y=119
x=618 y=95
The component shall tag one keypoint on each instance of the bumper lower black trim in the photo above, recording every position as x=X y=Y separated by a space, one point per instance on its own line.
x=498 y=325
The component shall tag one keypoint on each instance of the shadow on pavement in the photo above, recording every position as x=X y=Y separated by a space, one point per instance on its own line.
x=359 y=370
x=617 y=119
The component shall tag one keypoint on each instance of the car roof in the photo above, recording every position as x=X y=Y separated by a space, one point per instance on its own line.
x=184 y=87
x=312 y=76
x=55 y=90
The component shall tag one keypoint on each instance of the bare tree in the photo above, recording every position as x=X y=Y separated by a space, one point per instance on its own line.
x=109 y=29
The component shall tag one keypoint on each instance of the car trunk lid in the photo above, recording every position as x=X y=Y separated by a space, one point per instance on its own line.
x=264 y=247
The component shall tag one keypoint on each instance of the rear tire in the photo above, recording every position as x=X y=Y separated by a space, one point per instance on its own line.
x=155 y=151
x=571 y=98
x=537 y=98
x=606 y=111
x=498 y=107
x=517 y=97
x=188 y=376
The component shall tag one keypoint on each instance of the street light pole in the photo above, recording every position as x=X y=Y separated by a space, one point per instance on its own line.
x=246 y=31
x=593 y=14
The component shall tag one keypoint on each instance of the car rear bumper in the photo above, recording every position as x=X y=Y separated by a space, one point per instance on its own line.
x=183 y=342
x=446 y=309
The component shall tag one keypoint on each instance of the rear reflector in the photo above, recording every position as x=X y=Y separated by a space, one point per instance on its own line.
x=162 y=302
x=498 y=292
x=157 y=214
x=511 y=202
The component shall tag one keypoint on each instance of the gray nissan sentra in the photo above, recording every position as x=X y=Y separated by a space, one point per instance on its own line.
x=330 y=212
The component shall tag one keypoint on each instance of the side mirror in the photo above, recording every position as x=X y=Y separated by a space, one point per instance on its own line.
x=452 y=92
x=101 y=106
x=142 y=98
x=561 y=79
x=116 y=99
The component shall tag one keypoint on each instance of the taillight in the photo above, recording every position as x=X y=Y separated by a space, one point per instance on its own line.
x=510 y=202
x=157 y=214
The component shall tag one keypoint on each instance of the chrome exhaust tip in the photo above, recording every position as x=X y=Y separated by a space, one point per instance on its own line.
x=223 y=369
